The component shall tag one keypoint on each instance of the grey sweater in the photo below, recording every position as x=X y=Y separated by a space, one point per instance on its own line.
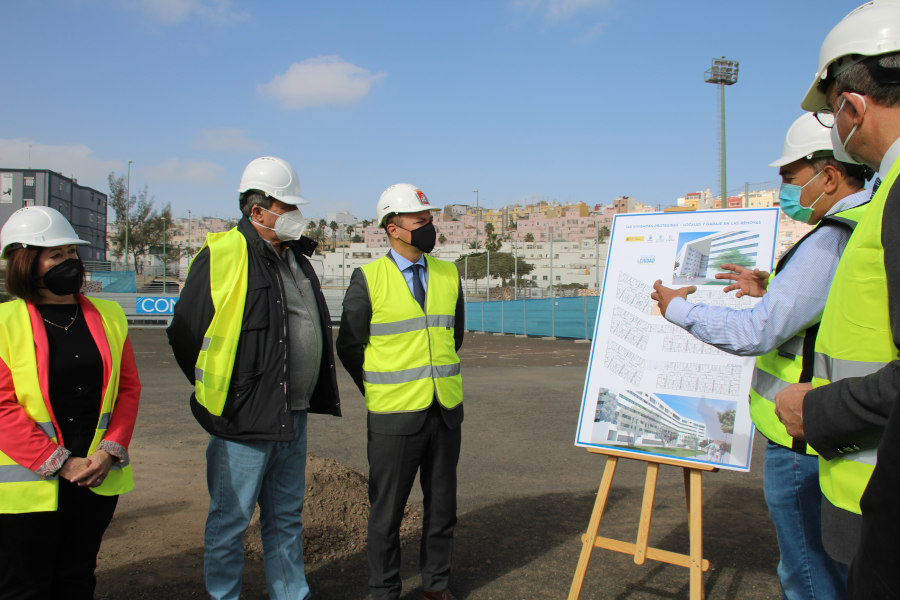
x=304 y=334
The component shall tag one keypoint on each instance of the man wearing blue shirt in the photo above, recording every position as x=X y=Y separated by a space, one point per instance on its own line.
x=819 y=190
x=399 y=343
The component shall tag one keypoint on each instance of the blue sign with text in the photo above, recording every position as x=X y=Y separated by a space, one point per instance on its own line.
x=155 y=306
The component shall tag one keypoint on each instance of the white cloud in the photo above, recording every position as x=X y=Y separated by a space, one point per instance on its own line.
x=320 y=81
x=227 y=138
x=191 y=171
x=555 y=10
x=172 y=12
x=68 y=159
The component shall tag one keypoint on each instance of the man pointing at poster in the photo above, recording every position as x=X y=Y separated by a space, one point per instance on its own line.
x=816 y=189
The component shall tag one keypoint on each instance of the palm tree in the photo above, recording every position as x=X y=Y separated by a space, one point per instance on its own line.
x=334 y=228
x=529 y=237
x=604 y=233
x=442 y=239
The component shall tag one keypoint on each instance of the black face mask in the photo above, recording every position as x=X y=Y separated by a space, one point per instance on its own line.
x=423 y=238
x=65 y=278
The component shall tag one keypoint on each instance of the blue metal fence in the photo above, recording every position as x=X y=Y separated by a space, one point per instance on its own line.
x=571 y=317
x=116 y=282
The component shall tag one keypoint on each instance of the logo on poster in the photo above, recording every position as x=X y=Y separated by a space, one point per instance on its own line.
x=635 y=238
x=646 y=260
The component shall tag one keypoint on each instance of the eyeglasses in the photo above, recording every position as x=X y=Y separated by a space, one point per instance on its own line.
x=825 y=116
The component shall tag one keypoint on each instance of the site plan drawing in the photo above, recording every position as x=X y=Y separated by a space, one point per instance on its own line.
x=652 y=387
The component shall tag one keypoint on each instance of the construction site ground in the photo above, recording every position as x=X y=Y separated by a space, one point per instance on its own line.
x=525 y=495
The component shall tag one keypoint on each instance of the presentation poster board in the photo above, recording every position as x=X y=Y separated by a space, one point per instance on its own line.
x=651 y=387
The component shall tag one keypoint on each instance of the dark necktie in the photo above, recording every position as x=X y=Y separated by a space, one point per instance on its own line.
x=418 y=288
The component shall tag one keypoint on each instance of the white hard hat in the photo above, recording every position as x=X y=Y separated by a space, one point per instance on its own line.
x=402 y=198
x=275 y=177
x=805 y=137
x=870 y=30
x=37 y=226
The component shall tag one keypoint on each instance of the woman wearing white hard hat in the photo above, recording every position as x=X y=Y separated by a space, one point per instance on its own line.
x=69 y=393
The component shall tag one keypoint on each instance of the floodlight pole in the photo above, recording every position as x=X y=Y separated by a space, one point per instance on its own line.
x=552 y=291
x=516 y=279
x=476 y=219
x=722 y=142
x=164 y=254
x=466 y=295
x=723 y=72
x=127 y=210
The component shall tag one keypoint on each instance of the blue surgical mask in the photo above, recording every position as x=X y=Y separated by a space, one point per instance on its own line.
x=790 y=201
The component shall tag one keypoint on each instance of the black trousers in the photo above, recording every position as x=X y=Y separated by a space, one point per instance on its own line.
x=54 y=554
x=393 y=463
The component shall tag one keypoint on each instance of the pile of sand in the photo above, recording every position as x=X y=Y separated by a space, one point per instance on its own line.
x=335 y=514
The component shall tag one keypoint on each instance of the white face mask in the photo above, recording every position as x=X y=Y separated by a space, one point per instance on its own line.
x=840 y=148
x=288 y=226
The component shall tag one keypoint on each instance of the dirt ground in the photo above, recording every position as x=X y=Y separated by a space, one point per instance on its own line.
x=525 y=495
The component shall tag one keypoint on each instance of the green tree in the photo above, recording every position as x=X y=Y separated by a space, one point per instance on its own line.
x=733 y=257
x=529 y=237
x=604 y=234
x=442 y=239
x=691 y=442
x=334 y=229
x=357 y=240
x=493 y=243
x=145 y=223
x=726 y=420
x=475 y=246
x=503 y=266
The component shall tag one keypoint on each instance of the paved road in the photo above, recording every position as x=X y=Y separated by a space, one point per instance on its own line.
x=525 y=493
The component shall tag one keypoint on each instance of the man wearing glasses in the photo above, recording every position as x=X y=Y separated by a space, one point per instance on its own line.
x=781 y=331
x=842 y=414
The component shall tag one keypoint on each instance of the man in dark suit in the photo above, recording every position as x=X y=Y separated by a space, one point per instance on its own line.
x=402 y=325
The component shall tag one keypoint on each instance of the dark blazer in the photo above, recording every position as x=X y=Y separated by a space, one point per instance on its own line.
x=352 y=339
x=874 y=574
x=258 y=405
x=853 y=412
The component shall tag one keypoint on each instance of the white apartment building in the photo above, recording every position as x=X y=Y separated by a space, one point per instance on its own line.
x=696 y=258
x=572 y=261
x=642 y=419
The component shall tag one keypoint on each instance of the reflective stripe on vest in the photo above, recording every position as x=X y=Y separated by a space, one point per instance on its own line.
x=21 y=490
x=783 y=366
x=228 y=270
x=409 y=360
x=855 y=339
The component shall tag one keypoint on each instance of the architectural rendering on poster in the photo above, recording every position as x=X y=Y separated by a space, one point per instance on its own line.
x=679 y=426
x=701 y=255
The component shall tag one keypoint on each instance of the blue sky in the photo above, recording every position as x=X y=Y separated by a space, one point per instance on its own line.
x=559 y=99
x=687 y=237
x=688 y=406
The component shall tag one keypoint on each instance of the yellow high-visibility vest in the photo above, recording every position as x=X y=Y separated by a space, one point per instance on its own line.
x=411 y=354
x=228 y=269
x=855 y=339
x=783 y=366
x=21 y=490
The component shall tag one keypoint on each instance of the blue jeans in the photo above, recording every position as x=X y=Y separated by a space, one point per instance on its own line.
x=240 y=474
x=791 y=483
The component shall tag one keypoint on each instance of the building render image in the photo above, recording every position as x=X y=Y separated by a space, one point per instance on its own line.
x=642 y=419
x=698 y=260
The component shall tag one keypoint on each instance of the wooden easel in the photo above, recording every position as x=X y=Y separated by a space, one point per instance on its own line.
x=693 y=492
